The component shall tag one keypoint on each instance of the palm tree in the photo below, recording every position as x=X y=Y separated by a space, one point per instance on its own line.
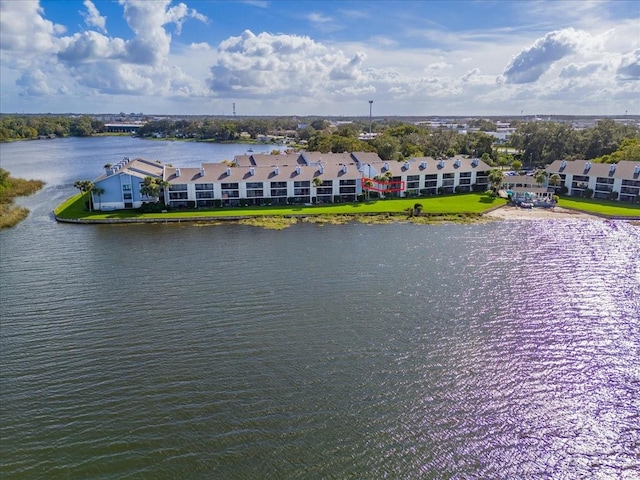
x=496 y=176
x=316 y=182
x=150 y=187
x=368 y=183
x=386 y=178
x=99 y=191
x=84 y=186
x=540 y=177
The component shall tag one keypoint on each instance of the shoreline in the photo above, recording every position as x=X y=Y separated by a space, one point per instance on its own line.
x=510 y=212
x=501 y=213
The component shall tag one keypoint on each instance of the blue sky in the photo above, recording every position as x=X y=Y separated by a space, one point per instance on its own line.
x=278 y=57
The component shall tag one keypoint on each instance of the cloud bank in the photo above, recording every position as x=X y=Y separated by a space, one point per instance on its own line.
x=292 y=73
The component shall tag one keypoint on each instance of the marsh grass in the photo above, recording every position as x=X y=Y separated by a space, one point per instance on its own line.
x=10 y=188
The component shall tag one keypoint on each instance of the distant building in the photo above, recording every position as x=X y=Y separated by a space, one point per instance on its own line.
x=122 y=127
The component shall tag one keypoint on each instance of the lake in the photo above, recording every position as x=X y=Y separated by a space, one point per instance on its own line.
x=499 y=350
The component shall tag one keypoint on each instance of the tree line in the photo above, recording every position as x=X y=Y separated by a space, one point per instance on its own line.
x=533 y=144
x=16 y=127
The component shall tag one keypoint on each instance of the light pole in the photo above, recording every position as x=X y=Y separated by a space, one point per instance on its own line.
x=370 y=107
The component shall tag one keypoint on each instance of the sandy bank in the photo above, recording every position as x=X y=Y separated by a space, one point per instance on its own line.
x=509 y=212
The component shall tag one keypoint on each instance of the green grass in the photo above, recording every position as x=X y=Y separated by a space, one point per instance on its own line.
x=470 y=204
x=601 y=207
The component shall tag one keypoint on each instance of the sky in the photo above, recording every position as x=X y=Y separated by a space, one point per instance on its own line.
x=321 y=58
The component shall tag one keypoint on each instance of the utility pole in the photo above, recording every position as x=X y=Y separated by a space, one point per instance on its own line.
x=370 y=107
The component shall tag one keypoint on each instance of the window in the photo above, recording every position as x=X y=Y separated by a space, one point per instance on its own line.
x=178 y=195
x=204 y=186
x=178 y=187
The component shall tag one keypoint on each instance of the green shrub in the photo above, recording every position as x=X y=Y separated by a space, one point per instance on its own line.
x=149 y=207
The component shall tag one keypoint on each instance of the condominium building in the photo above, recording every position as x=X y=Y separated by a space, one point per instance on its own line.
x=304 y=178
x=619 y=181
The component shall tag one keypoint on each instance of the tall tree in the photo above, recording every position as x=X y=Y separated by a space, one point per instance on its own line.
x=84 y=186
x=496 y=177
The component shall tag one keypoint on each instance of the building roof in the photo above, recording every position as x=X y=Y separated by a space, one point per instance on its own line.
x=137 y=167
x=326 y=158
x=430 y=166
x=262 y=159
x=219 y=172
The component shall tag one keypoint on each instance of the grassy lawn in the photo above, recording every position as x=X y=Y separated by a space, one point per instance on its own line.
x=470 y=203
x=601 y=207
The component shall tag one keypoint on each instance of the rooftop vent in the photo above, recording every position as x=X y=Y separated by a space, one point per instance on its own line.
x=177 y=172
x=385 y=166
x=344 y=168
x=202 y=171
x=297 y=169
x=441 y=164
x=457 y=163
x=587 y=165
x=228 y=171
x=252 y=171
x=474 y=162
x=636 y=170
x=612 y=168
x=406 y=165
x=320 y=168
x=563 y=164
x=276 y=170
x=423 y=164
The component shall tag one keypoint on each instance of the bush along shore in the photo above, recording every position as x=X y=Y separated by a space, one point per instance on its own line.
x=11 y=214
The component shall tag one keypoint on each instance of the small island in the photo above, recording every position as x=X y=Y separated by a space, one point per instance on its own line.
x=10 y=187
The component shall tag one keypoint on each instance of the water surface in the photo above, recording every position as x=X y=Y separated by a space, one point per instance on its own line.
x=500 y=350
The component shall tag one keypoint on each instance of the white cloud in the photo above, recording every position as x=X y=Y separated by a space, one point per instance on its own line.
x=427 y=69
x=629 y=68
x=268 y=65
x=24 y=31
x=318 y=18
x=91 y=46
x=93 y=18
x=531 y=63
x=34 y=83
x=572 y=70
